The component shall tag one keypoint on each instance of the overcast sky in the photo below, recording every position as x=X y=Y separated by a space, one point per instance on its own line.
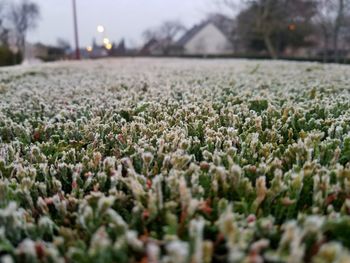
x=121 y=18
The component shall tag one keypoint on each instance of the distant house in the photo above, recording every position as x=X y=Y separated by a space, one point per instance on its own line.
x=212 y=37
x=35 y=51
x=40 y=52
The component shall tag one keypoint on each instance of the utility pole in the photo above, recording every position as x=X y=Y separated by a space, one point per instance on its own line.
x=76 y=35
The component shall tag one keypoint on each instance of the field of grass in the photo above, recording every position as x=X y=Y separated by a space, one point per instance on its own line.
x=171 y=161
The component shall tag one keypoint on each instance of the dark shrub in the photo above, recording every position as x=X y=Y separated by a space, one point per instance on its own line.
x=8 y=58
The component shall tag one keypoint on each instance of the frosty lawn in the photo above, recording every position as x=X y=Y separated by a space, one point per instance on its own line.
x=137 y=160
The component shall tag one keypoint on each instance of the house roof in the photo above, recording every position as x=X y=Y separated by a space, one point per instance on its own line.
x=191 y=33
x=222 y=23
x=149 y=44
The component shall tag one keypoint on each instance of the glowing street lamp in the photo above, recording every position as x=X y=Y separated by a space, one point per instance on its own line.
x=100 y=29
x=106 y=41
x=109 y=46
x=292 y=27
x=89 y=49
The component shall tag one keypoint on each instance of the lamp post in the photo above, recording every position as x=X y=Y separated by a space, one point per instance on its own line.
x=76 y=35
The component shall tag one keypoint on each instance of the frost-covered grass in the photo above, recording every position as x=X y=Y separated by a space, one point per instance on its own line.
x=175 y=161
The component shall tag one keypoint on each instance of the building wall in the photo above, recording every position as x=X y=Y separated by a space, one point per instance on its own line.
x=35 y=51
x=209 y=41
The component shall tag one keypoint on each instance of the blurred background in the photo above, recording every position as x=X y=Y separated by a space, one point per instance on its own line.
x=35 y=31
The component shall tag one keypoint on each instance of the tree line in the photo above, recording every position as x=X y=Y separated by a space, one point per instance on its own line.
x=277 y=25
x=276 y=28
x=16 y=20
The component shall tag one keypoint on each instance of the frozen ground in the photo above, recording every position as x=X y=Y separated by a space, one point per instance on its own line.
x=169 y=160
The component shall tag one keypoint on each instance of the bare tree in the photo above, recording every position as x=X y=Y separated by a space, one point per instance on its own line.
x=167 y=30
x=272 y=24
x=165 y=34
x=265 y=24
x=171 y=29
x=342 y=12
x=3 y=30
x=345 y=34
x=228 y=7
x=150 y=34
x=261 y=16
x=324 y=20
x=24 y=17
x=231 y=4
x=332 y=19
